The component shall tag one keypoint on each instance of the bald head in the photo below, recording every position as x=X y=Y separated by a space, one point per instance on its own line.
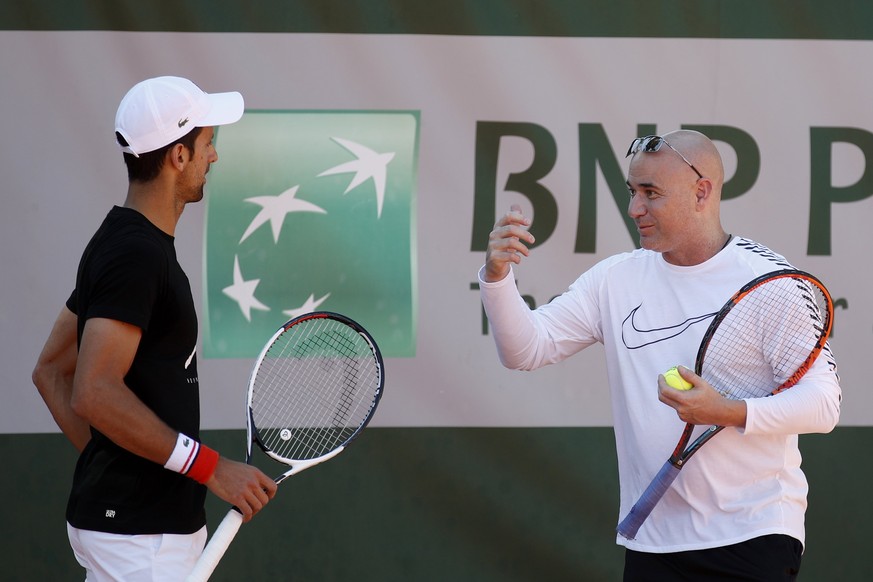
x=701 y=152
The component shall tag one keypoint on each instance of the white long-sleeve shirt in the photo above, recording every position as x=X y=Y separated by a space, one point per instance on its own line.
x=651 y=315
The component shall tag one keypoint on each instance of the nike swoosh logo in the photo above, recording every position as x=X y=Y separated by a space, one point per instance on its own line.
x=634 y=337
x=190 y=358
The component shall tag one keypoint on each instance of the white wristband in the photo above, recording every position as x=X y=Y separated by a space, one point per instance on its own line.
x=183 y=455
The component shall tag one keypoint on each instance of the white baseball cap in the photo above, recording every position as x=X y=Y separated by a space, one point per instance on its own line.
x=157 y=112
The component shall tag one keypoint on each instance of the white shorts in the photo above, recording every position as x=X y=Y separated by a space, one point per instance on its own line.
x=110 y=557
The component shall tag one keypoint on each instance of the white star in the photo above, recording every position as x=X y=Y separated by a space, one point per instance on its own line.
x=368 y=164
x=308 y=306
x=243 y=292
x=274 y=209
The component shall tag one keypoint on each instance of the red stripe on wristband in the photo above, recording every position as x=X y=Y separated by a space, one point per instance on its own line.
x=204 y=465
x=192 y=454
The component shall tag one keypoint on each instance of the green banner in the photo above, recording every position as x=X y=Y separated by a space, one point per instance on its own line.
x=311 y=210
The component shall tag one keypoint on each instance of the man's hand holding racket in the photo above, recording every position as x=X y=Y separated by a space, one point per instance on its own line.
x=507 y=243
x=243 y=486
x=701 y=404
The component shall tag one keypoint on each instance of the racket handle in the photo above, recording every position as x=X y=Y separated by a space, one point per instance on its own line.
x=214 y=550
x=648 y=500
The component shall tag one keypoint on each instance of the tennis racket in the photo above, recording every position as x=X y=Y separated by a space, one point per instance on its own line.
x=313 y=389
x=790 y=314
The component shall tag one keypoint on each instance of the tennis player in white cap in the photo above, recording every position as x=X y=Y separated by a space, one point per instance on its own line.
x=119 y=369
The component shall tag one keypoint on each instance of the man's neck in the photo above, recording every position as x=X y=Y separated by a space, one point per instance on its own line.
x=156 y=202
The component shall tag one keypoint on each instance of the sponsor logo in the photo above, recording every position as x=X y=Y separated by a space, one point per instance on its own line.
x=635 y=336
x=311 y=211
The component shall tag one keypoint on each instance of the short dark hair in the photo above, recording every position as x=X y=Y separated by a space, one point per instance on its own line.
x=147 y=166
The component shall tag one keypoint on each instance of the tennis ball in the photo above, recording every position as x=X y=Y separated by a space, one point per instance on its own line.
x=674 y=380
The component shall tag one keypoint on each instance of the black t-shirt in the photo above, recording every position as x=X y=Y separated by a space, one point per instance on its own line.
x=129 y=272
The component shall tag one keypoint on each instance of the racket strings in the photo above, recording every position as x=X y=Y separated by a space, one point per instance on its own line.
x=314 y=389
x=306 y=426
x=788 y=316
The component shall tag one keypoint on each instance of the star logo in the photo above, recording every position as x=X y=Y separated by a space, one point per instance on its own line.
x=368 y=165
x=243 y=292
x=308 y=306
x=274 y=209
x=311 y=211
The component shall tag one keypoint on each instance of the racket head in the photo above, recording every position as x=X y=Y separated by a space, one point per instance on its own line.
x=314 y=388
x=761 y=313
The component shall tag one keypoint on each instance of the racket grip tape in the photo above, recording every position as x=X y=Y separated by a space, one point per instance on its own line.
x=218 y=544
x=631 y=524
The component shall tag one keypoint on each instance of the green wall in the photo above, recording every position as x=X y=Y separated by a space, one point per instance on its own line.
x=817 y=19
x=434 y=505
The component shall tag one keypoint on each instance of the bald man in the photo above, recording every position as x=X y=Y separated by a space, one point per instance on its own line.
x=737 y=511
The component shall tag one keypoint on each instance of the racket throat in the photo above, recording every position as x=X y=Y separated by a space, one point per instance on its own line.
x=302 y=465
x=680 y=460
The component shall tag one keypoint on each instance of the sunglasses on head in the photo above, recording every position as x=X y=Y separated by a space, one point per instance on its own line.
x=653 y=143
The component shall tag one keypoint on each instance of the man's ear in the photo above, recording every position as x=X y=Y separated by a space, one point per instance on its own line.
x=177 y=156
x=704 y=190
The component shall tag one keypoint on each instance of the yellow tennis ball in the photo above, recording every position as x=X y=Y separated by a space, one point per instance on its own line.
x=674 y=380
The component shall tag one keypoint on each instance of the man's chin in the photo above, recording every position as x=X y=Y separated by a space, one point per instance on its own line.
x=645 y=241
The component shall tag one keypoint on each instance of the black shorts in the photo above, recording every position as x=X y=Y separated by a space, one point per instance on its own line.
x=771 y=558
